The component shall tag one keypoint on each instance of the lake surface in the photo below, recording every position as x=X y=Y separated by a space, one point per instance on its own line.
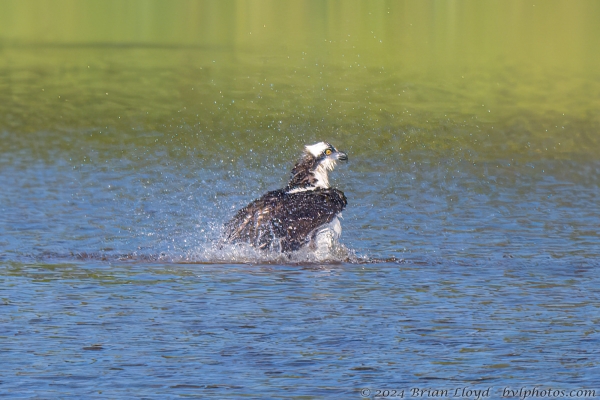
x=131 y=131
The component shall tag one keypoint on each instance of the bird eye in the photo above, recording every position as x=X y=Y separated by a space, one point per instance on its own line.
x=328 y=152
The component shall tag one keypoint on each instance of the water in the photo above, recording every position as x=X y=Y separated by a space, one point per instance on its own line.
x=470 y=242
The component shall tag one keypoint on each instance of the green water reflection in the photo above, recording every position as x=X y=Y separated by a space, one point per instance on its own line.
x=487 y=79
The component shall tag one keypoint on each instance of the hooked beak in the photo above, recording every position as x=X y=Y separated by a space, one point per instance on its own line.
x=340 y=155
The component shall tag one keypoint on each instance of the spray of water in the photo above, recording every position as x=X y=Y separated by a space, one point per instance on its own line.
x=211 y=249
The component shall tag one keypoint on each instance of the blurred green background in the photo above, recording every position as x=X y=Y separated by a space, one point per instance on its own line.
x=498 y=78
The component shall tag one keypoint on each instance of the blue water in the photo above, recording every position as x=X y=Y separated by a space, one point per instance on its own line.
x=82 y=329
x=111 y=286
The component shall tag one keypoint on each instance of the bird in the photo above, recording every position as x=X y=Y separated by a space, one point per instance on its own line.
x=305 y=213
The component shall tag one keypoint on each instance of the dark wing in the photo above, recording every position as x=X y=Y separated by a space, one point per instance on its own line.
x=305 y=212
x=254 y=223
x=284 y=221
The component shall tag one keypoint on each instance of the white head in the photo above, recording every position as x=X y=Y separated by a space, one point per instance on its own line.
x=311 y=172
x=318 y=149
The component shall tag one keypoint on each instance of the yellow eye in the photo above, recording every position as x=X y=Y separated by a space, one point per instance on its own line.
x=328 y=152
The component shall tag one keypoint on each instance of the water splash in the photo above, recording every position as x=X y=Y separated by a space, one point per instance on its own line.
x=217 y=252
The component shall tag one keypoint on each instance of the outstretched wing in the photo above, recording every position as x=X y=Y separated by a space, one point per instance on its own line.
x=254 y=223
x=284 y=221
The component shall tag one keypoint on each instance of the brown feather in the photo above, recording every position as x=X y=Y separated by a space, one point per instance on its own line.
x=293 y=218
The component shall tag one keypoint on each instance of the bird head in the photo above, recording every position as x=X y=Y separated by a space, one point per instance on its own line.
x=311 y=172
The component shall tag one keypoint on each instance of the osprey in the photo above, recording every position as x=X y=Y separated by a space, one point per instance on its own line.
x=303 y=213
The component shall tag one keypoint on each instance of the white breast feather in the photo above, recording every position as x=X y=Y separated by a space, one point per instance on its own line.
x=328 y=164
x=326 y=238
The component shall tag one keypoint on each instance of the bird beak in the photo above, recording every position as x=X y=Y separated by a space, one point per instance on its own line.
x=342 y=156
